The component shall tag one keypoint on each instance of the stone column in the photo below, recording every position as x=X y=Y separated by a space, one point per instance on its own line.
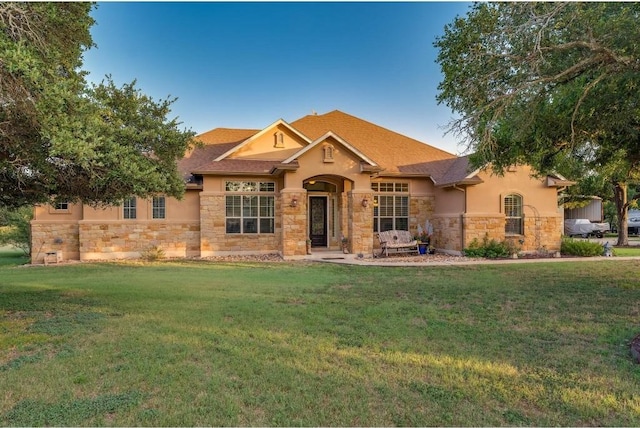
x=360 y=222
x=212 y=222
x=294 y=222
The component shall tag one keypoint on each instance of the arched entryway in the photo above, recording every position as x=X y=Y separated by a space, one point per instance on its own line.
x=327 y=211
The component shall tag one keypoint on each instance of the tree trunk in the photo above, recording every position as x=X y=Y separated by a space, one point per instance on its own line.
x=620 y=197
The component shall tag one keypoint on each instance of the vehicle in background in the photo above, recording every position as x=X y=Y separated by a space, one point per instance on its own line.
x=584 y=228
x=633 y=225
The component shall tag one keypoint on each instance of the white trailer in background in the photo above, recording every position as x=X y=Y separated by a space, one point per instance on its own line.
x=592 y=212
x=584 y=228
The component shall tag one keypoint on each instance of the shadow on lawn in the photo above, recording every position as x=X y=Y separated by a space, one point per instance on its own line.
x=42 y=322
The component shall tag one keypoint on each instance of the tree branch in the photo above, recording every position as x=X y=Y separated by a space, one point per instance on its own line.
x=586 y=91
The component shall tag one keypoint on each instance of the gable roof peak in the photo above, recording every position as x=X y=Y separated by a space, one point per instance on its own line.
x=279 y=122
x=385 y=147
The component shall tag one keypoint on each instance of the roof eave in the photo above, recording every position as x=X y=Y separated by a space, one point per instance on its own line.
x=232 y=173
x=283 y=167
x=558 y=182
x=466 y=182
x=365 y=167
x=398 y=174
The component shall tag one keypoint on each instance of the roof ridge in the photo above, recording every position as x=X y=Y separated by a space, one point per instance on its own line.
x=223 y=128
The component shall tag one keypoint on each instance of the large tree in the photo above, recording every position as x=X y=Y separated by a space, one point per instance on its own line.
x=63 y=139
x=542 y=82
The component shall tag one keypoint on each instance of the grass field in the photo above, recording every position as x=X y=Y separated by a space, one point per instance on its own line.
x=627 y=251
x=195 y=343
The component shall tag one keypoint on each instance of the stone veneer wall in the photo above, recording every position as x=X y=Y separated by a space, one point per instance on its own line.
x=123 y=239
x=344 y=215
x=214 y=241
x=420 y=210
x=49 y=236
x=361 y=224
x=477 y=226
x=447 y=232
x=540 y=234
x=294 y=220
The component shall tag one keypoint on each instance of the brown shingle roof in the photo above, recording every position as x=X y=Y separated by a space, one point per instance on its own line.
x=445 y=172
x=226 y=135
x=238 y=166
x=387 y=148
x=215 y=142
x=395 y=153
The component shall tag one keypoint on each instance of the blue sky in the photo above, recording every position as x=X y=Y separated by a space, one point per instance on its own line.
x=246 y=65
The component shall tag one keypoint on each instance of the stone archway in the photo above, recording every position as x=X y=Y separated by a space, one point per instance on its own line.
x=347 y=216
x=326 y=210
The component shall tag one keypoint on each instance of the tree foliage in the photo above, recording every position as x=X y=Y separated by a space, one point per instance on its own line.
x=63 y=139
x=15 y=228
x=542 y=83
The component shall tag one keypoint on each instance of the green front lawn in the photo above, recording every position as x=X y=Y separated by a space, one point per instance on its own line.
x=195 y=343
x=627 y=251
x=11 y=256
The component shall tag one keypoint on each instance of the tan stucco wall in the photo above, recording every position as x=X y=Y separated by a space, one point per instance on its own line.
x=449 y=201
x=216 y=183
x=345 y=164
x=48 y=212
x=176 y=210
x=488 y=197
x=263 y=146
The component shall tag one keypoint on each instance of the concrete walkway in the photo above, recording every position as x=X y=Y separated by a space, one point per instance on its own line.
x=440 y=260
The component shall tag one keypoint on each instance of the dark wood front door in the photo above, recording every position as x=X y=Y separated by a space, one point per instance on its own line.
x=318 y=221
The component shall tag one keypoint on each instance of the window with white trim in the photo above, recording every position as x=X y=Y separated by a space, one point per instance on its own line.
x=61 y=206
x=129 y=208
x=250 y=207
x=390 y=206
x=159 y=207
x=514 y=224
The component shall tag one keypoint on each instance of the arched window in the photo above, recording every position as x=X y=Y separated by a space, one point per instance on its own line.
x=513 y=213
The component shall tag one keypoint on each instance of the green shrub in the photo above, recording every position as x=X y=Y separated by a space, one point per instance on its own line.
x=152 y=254
x=490 y=249
x=575 y=247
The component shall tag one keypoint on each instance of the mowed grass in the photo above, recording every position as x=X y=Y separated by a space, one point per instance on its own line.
x=627 y=251
x=194 y=343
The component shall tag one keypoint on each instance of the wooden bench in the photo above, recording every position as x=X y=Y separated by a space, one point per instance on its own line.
x=399 y=240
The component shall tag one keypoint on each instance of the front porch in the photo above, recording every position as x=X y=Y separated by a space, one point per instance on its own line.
x=324 y=211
